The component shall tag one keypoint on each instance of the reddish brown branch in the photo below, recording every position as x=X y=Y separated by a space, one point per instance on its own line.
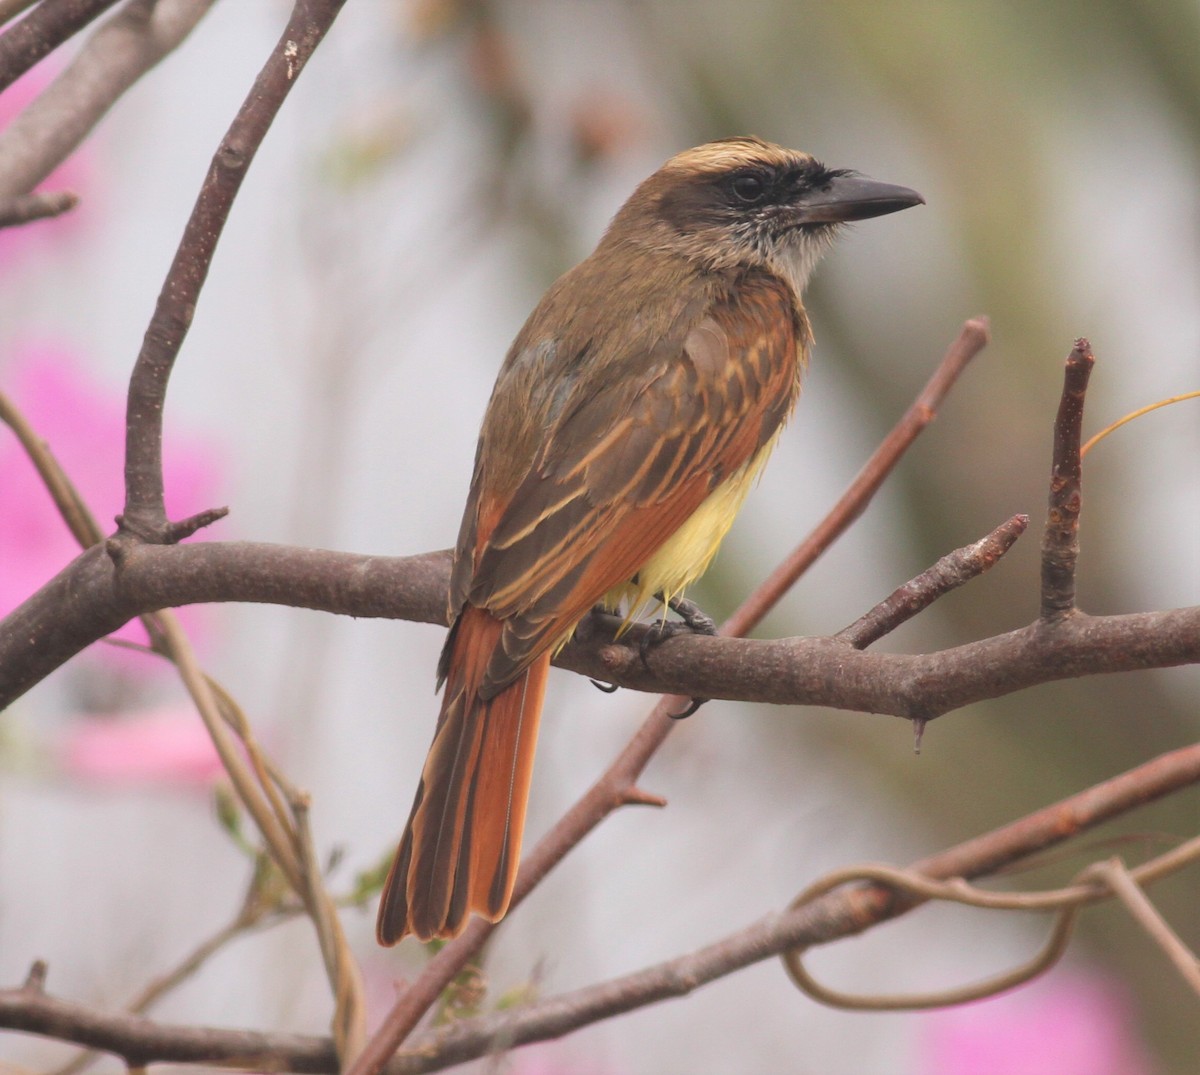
x=144 y=514
x=951 y=571
x=971 y=340
x=1060 y=543
x=41 y=31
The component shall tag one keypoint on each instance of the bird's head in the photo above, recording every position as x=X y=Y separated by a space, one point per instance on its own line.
x=743 y=201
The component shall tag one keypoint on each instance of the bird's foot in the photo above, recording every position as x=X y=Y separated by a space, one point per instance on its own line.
x=693 y=620
x=584 y=631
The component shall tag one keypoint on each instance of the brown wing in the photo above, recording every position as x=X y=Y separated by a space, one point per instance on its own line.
x=624 y=468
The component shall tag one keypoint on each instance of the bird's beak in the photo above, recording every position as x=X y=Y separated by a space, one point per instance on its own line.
x=853 y=197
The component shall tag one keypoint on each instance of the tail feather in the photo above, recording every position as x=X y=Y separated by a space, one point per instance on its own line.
x=462 y=845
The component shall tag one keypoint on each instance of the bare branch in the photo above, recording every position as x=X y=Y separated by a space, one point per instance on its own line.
x=951 y=571
x=144 y=513
x=80 y=521
x=26 y=208
x=11 y=9
x=113 y=59
x=138 y=1040
x=1115 y=874
x=1060 y=543
x=90 y=599
x=94 y=597
x=828 y=672
x=41 y=31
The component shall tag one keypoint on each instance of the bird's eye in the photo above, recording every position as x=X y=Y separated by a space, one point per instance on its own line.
x=748 y=188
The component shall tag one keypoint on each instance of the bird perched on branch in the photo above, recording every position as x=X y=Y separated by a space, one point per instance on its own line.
x=628 y=421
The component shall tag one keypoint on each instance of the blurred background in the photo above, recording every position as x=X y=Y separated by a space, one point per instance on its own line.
x=437 y=166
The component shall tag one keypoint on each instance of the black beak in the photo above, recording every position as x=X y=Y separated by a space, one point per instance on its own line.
x=853 y=197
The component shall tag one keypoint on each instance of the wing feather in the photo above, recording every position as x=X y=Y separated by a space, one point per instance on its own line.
x=626 y=465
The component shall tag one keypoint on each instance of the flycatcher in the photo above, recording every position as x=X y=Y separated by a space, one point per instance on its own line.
x=628 y=421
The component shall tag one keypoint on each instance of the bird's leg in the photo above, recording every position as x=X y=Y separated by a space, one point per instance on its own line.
x=692 y=620
x=696 y=619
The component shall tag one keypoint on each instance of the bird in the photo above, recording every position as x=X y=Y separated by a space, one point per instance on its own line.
x=629 y=419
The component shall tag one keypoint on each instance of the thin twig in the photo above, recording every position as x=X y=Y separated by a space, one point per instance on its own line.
x=1060 y=542
x=350 y=1016
x=1112 y=427
x=144 y=514
x=41 y=205
x=1115 y=874
x=253 y=777
x=165 y=983
x=841 y=913
x=75 y=513
x=278 y=839
x=951 y=571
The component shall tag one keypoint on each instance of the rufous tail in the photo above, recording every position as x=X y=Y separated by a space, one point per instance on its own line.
x=462 y=845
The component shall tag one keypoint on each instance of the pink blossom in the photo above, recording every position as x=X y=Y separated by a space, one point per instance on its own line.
x=157 y=745
x=1061 y=1024
x=554 y=1059
x=84 y=425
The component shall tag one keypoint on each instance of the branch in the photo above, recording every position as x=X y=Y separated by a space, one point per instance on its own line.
x=112 y=60
x=144 y=513
x=26 y=208
x=1060 y=543
x=94 y=597
x=109 y=584
x=140 y=1041
x=102 y=596
x=828 y=672
x=848 y=910
x=953 y=570
x=41 y=31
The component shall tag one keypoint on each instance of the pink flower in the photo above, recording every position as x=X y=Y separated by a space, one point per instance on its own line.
x=553 y=1059
x=157 y=745
x=84 y=426
x=1061 y=1024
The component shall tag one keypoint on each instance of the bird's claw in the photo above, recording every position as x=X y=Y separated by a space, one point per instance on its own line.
x=693 y=620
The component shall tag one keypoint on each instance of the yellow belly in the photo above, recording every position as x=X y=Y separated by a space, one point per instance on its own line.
x=686 y=554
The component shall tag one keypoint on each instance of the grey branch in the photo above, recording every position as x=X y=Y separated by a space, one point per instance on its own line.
x=114 y=57
x=110 y=584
